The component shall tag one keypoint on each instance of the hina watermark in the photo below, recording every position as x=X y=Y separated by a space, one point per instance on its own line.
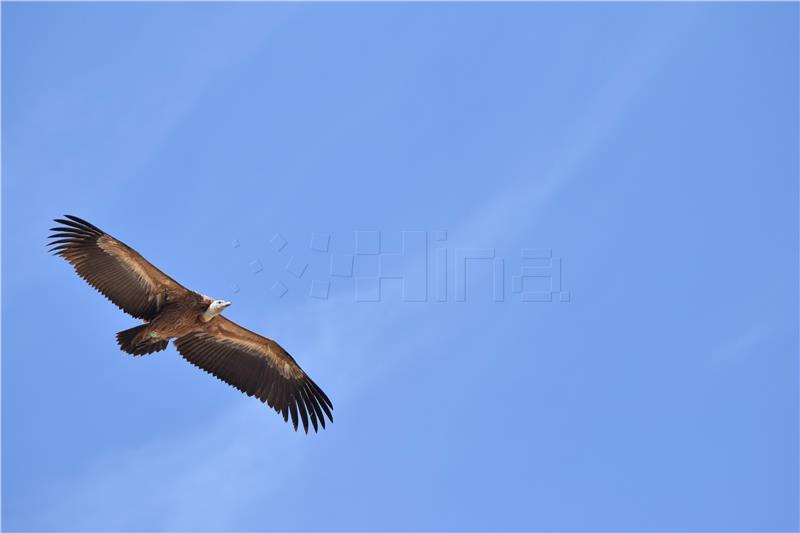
x=420 y=266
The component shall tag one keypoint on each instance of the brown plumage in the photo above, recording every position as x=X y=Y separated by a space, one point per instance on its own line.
x=255 y=365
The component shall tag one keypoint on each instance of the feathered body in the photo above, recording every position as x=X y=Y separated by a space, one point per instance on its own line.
x=177 y=317
x=255 y=365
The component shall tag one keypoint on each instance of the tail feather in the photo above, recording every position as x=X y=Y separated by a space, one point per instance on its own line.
x=137 y=342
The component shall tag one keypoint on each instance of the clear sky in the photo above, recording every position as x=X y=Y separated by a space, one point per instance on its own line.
x=650 y=149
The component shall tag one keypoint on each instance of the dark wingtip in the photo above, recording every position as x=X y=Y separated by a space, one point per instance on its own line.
x=72 y=221
x=81 y=221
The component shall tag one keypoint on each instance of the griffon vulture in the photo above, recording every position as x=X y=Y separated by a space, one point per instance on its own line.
x=255 y=365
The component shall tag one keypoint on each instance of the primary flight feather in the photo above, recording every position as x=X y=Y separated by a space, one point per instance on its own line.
x=255 y=365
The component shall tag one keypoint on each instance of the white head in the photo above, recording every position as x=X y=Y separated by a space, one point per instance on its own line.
x=214 y=308
x=218 y=305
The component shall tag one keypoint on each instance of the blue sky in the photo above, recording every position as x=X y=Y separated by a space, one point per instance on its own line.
x=652 y=149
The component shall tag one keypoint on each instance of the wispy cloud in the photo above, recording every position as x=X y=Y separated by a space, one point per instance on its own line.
x=593 y=123
x=121 y=136
x=744 y=343
x=198 y=479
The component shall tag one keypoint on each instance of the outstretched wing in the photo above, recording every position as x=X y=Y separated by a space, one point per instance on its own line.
x=258 y=367
x=113 y=268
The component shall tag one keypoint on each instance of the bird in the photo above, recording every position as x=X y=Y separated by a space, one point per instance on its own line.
x=254 y=364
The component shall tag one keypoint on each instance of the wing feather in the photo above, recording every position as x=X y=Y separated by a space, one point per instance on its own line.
x=293 y=411
x=301 y=407
x=116 y=270
x=311 y=413
x=314 y=404
x=257 y=366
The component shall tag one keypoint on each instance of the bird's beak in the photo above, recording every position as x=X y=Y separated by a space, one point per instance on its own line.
x=226 y=304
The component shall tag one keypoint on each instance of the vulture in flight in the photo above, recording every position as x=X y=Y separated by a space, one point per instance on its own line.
x=255 y=365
